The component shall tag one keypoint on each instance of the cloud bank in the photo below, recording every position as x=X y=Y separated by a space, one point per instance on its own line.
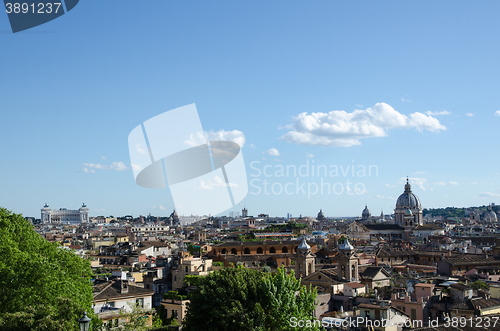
x=340 y=128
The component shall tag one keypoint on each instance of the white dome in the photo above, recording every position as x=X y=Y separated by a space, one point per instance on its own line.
x=304 y=246
x=346 y=245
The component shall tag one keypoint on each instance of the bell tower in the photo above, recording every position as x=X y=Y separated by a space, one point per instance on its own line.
x=304 y=260
x=347 y=265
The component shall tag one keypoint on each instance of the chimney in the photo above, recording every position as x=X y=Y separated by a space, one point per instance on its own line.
x=123 y=286
x=376 y=261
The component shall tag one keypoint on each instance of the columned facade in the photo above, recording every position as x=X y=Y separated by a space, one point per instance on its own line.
x=64 y=216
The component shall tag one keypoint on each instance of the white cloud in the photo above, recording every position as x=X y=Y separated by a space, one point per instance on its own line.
x=309 y=155
x=340 y=128
x=113 y=166
x=382 y=197
x=103 y=157
x=473 y=183
x=200 y=138
x=162 y=208
x=488 y=195
x=252 y=146
x=272 y=151
x=453 y=183
x=211 y=184
x=389 y=185
x=87 y=170
x=136 y=167
x=440 y=183
x=497 y=113
x=234 y=136
x=437 y=113
x=469 y=114
x=405 y=100
x=140 y=150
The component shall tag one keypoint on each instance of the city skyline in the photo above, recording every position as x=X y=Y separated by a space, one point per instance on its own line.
x=401 y=89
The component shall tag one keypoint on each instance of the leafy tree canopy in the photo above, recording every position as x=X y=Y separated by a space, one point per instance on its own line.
x=42 y=286
x=246 y=299
x=479 y=284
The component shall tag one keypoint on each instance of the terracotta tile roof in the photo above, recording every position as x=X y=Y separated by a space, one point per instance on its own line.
x=111 y=290
x=370 y=272
x=372 y=306
x=382 y=227
x=354 y=285
x=470 y=259
x=428 y=227
x=424 y=285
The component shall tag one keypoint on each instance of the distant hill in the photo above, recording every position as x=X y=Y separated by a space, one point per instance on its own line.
x=455 y=211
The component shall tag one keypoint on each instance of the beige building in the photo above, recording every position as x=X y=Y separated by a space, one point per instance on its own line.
x=374 y=276
x=190 y=266
x=373 y=315
x=495 y=291
x=354 y=289
x=178 y=308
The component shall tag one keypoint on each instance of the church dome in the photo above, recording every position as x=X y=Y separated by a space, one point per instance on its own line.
x=366 y=213
x=490 y=215
x=407 y=199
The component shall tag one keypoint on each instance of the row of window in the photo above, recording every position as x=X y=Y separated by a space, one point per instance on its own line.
x=272 y=250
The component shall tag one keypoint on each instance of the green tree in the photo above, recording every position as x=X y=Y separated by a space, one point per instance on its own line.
x=479 y=284
x=138 y=318
x=42 y=285
x=192 y=280
x=247 y=299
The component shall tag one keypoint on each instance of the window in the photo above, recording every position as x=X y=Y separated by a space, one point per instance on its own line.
x=233 y=251
x=272 y=250
x=247 y=251
x=187 y=269
x=259 y=250
x=284 y=250
x=413 y=314
x=139 y=302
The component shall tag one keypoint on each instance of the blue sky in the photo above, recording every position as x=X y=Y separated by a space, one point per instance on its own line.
x=418 y=82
